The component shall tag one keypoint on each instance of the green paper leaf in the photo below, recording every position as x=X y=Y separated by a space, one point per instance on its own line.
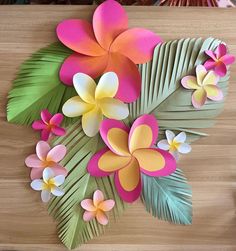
x=37 y=86
x=79 y=185
x=168 y=198
x=163 y=95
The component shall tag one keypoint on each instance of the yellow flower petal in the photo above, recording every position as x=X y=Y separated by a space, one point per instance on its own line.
x=114 y=108
x=85 y=87
x=199 y=98
x=201 y=73
x=210 y=79
x=214 y=92
x=107 y=86
x=91 y=122
x=76 y=107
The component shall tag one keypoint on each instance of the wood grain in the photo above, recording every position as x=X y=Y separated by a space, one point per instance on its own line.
x=24 y=222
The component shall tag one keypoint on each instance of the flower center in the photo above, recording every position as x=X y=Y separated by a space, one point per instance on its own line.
x=174 y=146
x=49 y=184
x=48 y=163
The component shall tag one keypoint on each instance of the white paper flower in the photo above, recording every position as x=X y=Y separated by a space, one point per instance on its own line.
x=175 y=144
x=48 y=185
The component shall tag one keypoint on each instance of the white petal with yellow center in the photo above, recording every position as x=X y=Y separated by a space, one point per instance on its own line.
x=45 y=196
x=180 y=138
x=57 y=191
x=170 y=136
x=37 y=184
x=47 y=174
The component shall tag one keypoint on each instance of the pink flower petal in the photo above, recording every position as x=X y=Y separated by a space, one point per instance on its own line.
x=220 y=51
x=101 y=216
x=33 y=161
x=39 y=125
x=36 y=173
x=228 y=59
x=220 y=69
x=87 y=216
x=42 y=149
x=109 y=20
x=142 y=41
x=214 y=92
x=107 y=205
x=210 y=64
x=45 y=134
x=78 y=35
x=98 y=197
x=92 y=66
x=56 y=119
x=57 y=153
x=59 y=170
x=46 y=116
x=211 y=54
x=128 y=75
x=59 y=131
x=87 y=204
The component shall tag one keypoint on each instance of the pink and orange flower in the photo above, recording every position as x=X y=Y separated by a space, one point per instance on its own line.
x=107 y=45
x=129 y=153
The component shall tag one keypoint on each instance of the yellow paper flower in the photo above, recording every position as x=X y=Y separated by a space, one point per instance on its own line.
x=95 y=101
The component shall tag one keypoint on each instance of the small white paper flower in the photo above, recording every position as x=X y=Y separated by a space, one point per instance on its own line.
x=48 y=185
x=175 y=144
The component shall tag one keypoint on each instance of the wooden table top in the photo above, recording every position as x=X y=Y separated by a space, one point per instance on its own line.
x=210 y=168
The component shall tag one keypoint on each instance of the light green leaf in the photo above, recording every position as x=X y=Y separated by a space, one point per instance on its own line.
x=79 y=185
x=163 y=95
x=168 y=198
x=37 y=86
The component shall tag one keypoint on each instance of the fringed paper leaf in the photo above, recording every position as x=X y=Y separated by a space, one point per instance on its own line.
x=168 y=198
x=66 y=210
x=162 y=93
x=37 y=86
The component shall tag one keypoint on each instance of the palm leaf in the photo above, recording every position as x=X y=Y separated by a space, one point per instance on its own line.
x=162 y=93
x=168 y=198
x=37 y=86
x=79 y=185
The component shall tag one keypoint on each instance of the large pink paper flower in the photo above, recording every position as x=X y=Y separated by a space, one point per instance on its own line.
x=219 y=60
x=49 y=124
x=46 y=157
x=107 y=45
x=129 y=153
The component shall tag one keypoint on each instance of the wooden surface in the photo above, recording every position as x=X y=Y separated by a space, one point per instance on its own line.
x=210 y=168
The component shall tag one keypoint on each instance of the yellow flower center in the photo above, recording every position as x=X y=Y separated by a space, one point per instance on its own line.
x=174 y=145
x=49 y=184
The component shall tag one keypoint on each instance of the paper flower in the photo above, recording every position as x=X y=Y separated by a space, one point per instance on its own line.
x=49 y=124
x=129 y=153
x=95 y=101
x=97 y=208
x=107 y=45
x=46 y=157
x=219 y=60
x=175 y=144
x=49 y=184
x=205 y=86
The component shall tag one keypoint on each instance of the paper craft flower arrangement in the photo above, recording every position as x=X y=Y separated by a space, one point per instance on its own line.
x=113 y=131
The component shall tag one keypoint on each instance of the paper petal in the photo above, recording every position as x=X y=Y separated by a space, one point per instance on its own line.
x=128 y=182
x=57 y=153
x=163 y=144
x=46 y=116
x=93 y=66
x=45 y=196
x=199 y=98
x=170 y=136
x=97 y=197
x=101 y=216
x=75 y=107
x=45 y=134
x=59 y=131
x=220 y=69
x=37 y=184
x=211 y=54
x=114 y=109
x=36 y=173
x=115 y=134
x=48 y=174
x=107 y=205
x=210 y=79
x=78 y=35
x=33 y=161
x=184 y=148
x=106 y=162
x=220 y=51
x=107 y=86
x=109 y=20
x=39 y=125
x=59 y=170
x=56 y=119
x=228 y=59
x=189 y=82
x=210 y=64
x=57 y=191
x=142 y=42
x=88 y=205
x=91 y=122
x=128 y=75
x=214 y=92
x=87 y=216
x=201 y=72
x=180 y=138
x=42 y=149
x=59 y=180
x=155 y=162
x=143 y=133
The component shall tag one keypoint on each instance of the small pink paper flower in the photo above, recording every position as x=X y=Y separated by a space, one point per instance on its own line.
x=129 y=153
x=49 y=124
x=46 y=157
x=107 y=45
x=219 y=60
x=97 y=208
